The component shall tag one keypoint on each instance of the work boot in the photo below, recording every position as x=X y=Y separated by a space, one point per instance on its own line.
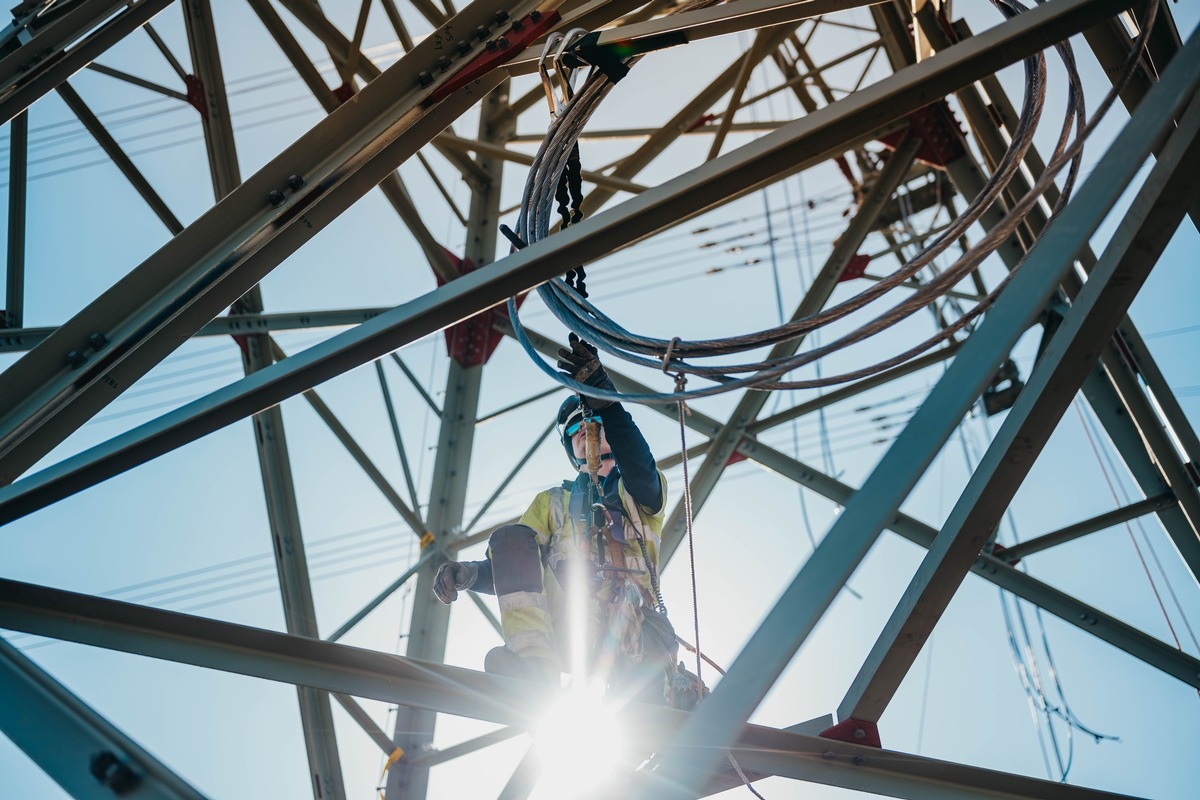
x=502 y=661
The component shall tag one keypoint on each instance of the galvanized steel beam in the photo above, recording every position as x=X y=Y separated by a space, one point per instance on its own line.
x=18 y=169
x=36 y=67
x=814 y=588
x=1112 y=285
x=222 y=255
x=364 y=673
x=748 y=408
x=85 y=754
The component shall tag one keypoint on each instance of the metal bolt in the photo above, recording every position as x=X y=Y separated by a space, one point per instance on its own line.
x=503 y=42
x=828 y=755
x=482 y=32
x=518 y=25
x=444 y=62
x=463 y=47
x=111 y=772
x=98 y=340
x=1082 y=616
x=295 y=182
x=535 y=16
x=76 y=359
x=501 y=17
x=859 y=761
x=859 y=733
x=490 y=46
x=424 y=78
x=275 y=198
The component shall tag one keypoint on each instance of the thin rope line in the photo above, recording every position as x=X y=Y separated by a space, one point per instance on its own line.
x=687 y=512
x=1128 y=529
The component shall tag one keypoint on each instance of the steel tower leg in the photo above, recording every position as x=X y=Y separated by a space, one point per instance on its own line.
x=283 y=513
x=430 y=621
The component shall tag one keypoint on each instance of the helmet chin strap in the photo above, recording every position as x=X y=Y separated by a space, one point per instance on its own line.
x=579 y=462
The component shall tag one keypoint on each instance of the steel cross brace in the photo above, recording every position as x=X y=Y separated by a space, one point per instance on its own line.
x=806 y=599
x=82 y=751
x=39 y=389
x=353 y=671
x=1113 y=283
x=15 y=340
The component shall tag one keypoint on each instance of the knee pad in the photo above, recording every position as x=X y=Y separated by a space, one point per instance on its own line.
x=516 y=560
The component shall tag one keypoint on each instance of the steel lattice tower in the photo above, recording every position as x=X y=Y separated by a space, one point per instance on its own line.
x=899 y=112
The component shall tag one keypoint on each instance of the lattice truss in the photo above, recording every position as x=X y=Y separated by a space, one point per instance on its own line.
x=762 y=161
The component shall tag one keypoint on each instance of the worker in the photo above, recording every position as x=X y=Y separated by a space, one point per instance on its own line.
x=557 y=545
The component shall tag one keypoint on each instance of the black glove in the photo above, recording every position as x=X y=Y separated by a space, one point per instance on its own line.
x=452 y=577
x=582 y=363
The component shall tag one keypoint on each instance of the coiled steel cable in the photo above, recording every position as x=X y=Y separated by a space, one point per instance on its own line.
x=583 y=317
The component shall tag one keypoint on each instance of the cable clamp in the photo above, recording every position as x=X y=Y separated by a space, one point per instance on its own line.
x=427 y=539
x=666 y=359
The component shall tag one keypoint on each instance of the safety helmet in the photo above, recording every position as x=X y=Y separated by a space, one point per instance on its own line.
x=570 y=412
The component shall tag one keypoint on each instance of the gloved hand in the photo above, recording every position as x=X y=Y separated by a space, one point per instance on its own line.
x=582 y=363
x=452 y=577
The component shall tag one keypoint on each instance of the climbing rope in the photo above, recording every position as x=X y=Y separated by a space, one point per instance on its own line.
x=578 y=314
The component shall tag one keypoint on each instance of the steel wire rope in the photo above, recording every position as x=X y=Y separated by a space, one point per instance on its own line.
x=1021 y=141
x=1107 y=472
x=583 y=317
x=1032 y=679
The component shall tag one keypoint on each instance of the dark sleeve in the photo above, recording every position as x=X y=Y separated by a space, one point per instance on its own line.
x=484 y=583
x=633 y=457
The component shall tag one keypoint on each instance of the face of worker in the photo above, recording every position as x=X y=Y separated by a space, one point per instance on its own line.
x=579 y=447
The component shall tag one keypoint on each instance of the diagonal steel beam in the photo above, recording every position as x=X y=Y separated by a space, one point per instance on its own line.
x=48 y=58
x=18 y=169
x=341 y=48
x=356 y=452
x=752 y=402
x=1145 y=451
x=1101 y=522
x=1141 y=238
x=391 y=186
x=364 y=673
x=1072 y=611
x=804 y=142
x=814 y=588
x=270 y=440
x=122 y=161
x=223 y=254
x=687 y=116
x=71 y=742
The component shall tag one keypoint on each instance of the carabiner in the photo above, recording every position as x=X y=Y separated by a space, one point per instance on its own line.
x=566 y=74
x=551 y=42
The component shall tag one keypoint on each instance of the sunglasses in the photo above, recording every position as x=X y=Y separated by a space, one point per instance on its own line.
x=574 y=427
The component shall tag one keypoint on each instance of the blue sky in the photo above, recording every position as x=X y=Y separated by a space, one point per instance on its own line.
x=200 y=508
